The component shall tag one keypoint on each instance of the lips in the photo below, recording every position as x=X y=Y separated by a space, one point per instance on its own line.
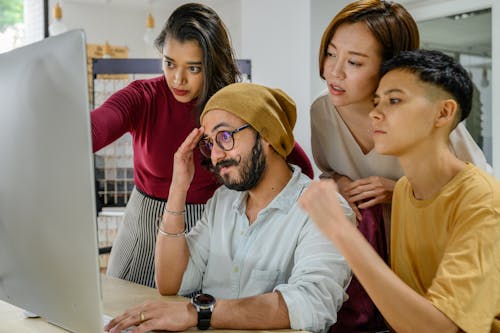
x=335 y=89
x=378 y=131
x=223 y=170
x=180 y=92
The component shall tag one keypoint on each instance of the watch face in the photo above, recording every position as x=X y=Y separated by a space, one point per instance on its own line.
x=204 y=299
x=204 y=304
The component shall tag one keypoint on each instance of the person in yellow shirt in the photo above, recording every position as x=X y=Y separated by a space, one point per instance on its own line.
x=445 y=233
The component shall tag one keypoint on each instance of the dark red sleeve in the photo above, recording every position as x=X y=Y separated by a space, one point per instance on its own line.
x=115 y=116
x=299 y=157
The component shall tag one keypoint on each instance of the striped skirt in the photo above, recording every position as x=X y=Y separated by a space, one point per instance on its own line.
x=132 y=255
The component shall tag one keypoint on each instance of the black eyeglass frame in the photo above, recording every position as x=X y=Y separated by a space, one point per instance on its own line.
x=204 y=143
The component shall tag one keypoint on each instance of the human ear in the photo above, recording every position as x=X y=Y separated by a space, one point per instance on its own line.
x=267 y=148
x=448 y=109
x=266 y=145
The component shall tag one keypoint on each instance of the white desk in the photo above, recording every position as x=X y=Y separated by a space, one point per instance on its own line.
x=118 y=295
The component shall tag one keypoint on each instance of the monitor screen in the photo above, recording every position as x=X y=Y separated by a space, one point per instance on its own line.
x=48 y=237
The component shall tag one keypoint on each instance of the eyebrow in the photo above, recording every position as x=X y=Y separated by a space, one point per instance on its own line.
x=189 y=62
x=350 y=52
x=219 y=125
x=389 y=91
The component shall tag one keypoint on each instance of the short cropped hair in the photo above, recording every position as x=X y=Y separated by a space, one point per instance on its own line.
x=438 y=69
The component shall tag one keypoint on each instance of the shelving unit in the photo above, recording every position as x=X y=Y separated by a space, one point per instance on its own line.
x=114 y=163
x=114 y=170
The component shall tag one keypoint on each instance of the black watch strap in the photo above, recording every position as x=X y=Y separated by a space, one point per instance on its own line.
x=204 y=316
x=204 y=304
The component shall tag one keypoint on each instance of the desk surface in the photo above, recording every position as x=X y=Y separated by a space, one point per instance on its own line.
x=118 y=295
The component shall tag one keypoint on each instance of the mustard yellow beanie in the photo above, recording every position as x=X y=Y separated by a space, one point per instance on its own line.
x=271 y=112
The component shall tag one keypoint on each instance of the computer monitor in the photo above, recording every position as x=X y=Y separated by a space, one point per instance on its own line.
x=48 y=237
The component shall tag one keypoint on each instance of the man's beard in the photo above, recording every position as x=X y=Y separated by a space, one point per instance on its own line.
x=252 y=169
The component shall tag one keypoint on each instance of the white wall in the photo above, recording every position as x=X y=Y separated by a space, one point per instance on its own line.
x=275 y=36
x=495 y=85
x=118 y=26
x=283 y=42
x=125 y=26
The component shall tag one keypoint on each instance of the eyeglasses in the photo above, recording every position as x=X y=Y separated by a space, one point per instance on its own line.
x=224 y=140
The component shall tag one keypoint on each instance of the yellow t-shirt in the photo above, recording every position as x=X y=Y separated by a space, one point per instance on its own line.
x=448 y=248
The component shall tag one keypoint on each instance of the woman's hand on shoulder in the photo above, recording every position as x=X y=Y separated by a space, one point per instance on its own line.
x=370 y=191
x=343 y=184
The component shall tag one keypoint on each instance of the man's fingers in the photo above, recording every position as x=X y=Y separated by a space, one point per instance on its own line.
x=191 y=140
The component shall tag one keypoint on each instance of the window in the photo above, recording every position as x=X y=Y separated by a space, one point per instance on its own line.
x=21 y=23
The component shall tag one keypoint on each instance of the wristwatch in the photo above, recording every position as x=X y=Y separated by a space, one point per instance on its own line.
x=204 y=305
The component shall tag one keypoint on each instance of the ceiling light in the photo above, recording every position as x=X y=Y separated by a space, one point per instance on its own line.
x=462 y=16
x=57 y=26
x=149 y=34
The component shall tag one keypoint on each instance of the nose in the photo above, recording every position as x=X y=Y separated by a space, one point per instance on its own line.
x=217 y=154
x=375 y=113
x=179 y=77
x=337 y=70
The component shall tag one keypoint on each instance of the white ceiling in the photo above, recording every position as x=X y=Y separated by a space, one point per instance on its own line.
x=137 y=4
x=142 y=4
x=468 y=35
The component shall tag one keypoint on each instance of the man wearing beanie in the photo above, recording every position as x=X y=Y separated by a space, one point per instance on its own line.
x=256 y=256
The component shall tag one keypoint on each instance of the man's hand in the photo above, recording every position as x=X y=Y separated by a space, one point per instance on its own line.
x=183 y=172
x=321 y=202
x=156 y=315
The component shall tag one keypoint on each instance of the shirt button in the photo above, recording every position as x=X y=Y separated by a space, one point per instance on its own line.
x=236 y=269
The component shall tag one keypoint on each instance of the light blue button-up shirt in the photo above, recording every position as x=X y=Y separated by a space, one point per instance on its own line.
x=282 y=250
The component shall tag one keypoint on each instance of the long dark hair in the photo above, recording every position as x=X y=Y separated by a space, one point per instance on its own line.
x=200 y=23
